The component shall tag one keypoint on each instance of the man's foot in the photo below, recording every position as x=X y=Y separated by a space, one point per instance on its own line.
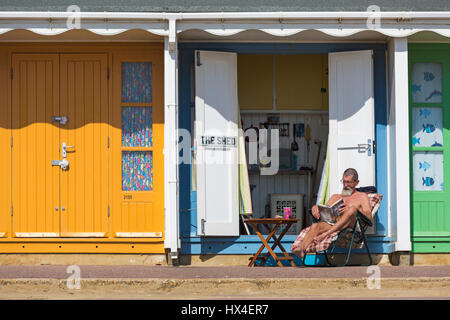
x=301 y=252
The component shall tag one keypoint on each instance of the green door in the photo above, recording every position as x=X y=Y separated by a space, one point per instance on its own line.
x=429 y=112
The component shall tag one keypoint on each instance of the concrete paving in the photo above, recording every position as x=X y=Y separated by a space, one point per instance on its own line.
x=240 y=272
x=231 y=282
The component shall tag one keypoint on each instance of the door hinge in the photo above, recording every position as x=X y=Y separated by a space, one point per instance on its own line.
x=108 y=143
x=198 y=59
x=12 y=211
x=203 y=226
x=12 y=142
x=12 y=73
x=108 y=210
x=107 y=73
x=374 y=146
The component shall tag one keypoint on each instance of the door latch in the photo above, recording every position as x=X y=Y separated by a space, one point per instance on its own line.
x=63 y=164
x=362 y=147
x=61 y=120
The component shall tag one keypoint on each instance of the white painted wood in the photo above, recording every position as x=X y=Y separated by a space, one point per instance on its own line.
x=219 y=24
x=401 y=143
x=82 y=234
x=36 y=234
x=171 y=199
x=139 y=234
x=216 y=116
x=351 y=116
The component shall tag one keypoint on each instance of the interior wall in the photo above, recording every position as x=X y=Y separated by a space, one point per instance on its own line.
x=285 y=183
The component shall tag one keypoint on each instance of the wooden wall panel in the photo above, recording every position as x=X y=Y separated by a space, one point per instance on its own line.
x=266 y=185
x=35 y=93
x=255 y=81
x=299 y=79
x=84 y=189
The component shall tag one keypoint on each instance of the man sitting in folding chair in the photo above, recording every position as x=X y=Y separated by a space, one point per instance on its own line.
x=320 y=235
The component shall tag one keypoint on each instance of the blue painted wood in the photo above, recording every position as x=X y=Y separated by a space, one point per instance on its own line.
x=244 y=244
x=250 y=244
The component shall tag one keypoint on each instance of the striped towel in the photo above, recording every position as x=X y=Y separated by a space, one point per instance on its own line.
x=374 y=200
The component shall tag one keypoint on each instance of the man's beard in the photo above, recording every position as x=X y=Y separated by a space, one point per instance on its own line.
x=346 y=191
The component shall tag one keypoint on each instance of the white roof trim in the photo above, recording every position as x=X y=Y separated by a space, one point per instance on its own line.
x=222 y=24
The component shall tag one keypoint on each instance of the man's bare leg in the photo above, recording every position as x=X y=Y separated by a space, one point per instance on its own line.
x=316 y=229
x=347 y=219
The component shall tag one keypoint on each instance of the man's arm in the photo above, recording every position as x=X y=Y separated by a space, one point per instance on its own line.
x=315 y=209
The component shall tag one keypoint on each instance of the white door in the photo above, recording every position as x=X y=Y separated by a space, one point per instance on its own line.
x=216 y=124
x=351 y=135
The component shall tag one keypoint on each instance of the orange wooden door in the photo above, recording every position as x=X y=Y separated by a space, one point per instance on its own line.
x=84 y=185
x=35 y=100
x=137 y=143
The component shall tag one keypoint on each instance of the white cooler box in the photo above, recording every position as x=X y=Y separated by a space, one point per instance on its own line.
x=278 y=201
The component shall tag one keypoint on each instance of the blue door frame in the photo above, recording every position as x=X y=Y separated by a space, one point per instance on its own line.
x=249 y=244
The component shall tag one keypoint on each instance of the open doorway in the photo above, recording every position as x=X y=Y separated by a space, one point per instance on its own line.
x=288 y=93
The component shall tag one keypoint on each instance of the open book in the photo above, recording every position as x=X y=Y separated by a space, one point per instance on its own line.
x=330 y=213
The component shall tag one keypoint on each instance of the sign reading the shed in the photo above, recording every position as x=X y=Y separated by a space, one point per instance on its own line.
x=218 y=142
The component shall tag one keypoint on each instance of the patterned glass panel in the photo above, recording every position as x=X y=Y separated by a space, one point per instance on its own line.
x=137 y=169
x=137 y=82
x=427 y=127
x=137 y=127
x=428 y=171
x=427 y=82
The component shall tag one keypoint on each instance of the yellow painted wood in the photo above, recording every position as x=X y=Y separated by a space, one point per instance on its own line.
x=41 y=84
x=35 y=99
x=84 y=186
x=138 y=212
x=60 y=246
x=255 y=81
x=5 y=145
x=299 y=79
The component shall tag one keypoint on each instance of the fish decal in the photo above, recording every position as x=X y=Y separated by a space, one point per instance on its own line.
x=429 y=128
x=428 y=181
x=428 y=76
x=436 y=144
x=416 y=88
x=416 y=141
x=425 y=113
x=425 y=165
x=434 y=93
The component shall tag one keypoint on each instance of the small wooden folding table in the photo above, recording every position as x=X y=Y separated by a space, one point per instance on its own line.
x=272 y=225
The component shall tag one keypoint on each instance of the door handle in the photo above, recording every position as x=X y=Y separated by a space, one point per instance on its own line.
x=64 y=149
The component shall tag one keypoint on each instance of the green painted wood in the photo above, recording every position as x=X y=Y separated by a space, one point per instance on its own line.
x=430 y=210
x=427 y=149
x=430 y=247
